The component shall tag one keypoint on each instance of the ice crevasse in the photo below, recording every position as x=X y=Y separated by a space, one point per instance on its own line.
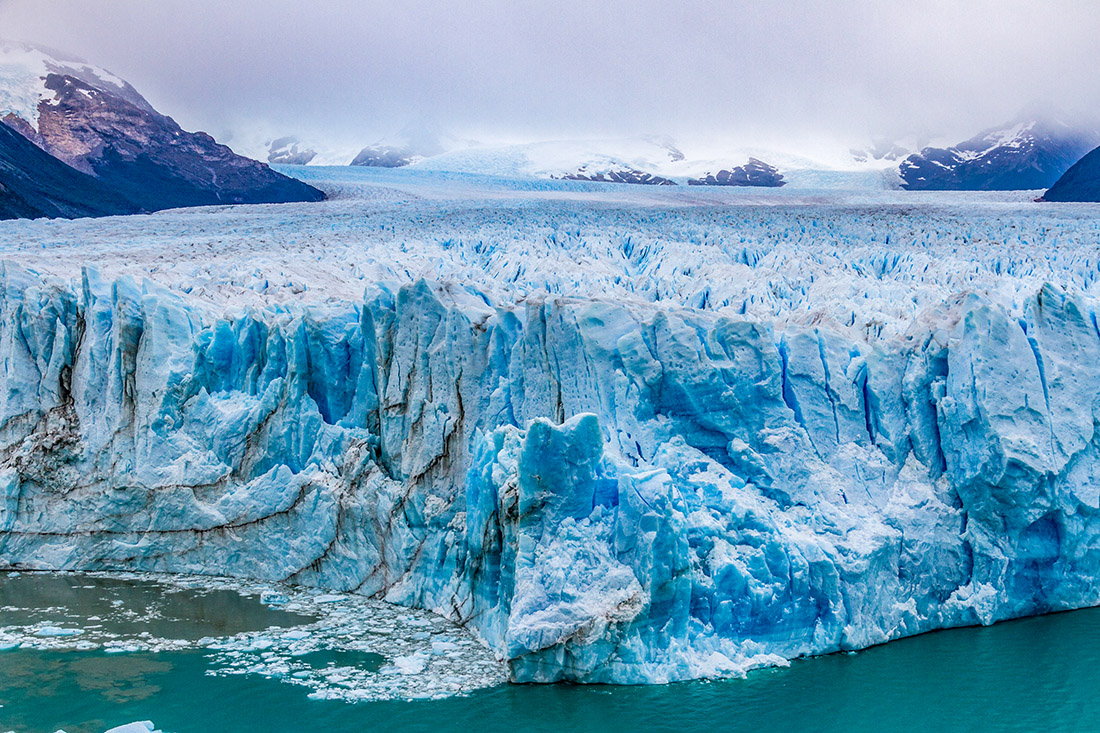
x=602 y=492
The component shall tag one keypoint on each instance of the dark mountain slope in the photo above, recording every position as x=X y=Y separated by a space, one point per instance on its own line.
x=34 y=184
x=100 y=125
x=754 y=173
x=1080 y=183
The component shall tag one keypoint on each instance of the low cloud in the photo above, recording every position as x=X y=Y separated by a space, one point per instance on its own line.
x=757 y=72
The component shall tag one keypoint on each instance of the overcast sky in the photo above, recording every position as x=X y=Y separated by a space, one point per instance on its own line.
x=514 y=69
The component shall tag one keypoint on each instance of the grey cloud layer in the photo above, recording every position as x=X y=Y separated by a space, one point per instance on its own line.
x=527 y=69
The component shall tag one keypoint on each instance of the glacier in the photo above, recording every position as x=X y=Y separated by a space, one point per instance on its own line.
x=623 y=437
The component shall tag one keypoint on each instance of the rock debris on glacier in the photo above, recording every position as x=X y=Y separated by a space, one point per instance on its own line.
x=622 y=437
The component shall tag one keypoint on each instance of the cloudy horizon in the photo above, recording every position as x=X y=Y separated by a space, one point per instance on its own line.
x=807 y=71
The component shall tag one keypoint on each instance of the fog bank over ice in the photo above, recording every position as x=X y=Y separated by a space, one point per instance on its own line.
x=359 y=71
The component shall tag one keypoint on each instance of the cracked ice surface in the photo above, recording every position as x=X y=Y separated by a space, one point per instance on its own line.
x=869 y=261
x=621 y=435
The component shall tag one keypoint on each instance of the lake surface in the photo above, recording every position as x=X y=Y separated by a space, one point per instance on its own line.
x=1039 y=674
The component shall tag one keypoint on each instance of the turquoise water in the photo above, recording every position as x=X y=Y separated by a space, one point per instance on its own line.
x=1040 y=674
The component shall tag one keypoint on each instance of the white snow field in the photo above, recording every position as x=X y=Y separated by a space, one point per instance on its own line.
x=621 y=434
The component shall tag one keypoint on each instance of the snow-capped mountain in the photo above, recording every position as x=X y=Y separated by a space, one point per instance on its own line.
x=881 y=150
x=617 y=174
x=1080 y=183
x=1026 y=154
x=650 y=160
x=100 y=125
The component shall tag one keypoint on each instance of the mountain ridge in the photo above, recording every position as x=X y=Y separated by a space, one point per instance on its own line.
x=1022 y=155
x=100 y=125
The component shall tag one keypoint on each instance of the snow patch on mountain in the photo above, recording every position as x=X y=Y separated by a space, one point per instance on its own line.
x=23 y=72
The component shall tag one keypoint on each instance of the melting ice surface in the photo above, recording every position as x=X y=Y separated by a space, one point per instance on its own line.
x=620 y=435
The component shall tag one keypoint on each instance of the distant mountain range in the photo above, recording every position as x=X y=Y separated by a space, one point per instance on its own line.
x=1022 y=155
x=1026 y=154
x=123 y=156
x=100 y=126
x=648 y=161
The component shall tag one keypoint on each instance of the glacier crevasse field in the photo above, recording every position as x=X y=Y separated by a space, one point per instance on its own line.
x=622 y=436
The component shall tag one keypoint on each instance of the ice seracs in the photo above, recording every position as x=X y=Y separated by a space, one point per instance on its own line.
x=819 y=426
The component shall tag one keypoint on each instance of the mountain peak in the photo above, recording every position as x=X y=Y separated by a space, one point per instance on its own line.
x=97 y=123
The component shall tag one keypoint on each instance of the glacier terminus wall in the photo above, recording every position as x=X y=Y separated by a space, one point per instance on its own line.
x=602 y=490
x=602 y=494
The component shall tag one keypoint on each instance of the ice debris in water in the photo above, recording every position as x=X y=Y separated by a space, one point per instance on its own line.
x=356 y=649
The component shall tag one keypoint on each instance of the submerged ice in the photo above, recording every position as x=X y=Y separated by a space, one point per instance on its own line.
x=602 y=491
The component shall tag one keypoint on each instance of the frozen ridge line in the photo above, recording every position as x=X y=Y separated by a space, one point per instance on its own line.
x=604 y=489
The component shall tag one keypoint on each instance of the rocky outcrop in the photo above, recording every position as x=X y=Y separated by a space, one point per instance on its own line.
x=288 y=151
x=411 y=145
x=382 y=156
x=754 y=173
x=617 y=175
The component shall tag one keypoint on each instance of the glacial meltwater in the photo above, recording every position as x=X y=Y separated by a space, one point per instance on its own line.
x=85 y=652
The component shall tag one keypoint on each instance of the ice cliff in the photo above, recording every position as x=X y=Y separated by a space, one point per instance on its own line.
x=603 y=492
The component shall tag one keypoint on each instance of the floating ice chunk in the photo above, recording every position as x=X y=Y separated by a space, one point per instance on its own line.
x=295 y=635
x=50 y=631
x=410 y=664
x=330 y=598
x=144 y=726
